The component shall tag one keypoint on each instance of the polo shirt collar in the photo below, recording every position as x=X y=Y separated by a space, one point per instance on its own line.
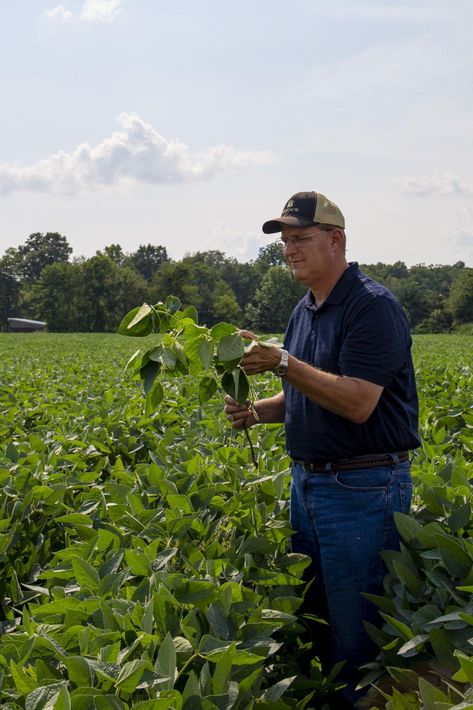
x=340 y=290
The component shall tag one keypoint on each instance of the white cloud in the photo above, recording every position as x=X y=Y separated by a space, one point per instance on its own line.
x=59 y=14
x=91 y=11
x=100 y=10
x=135 y=153
x=437 y=184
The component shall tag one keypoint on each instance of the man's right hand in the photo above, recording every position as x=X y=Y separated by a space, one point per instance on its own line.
x=239 y=415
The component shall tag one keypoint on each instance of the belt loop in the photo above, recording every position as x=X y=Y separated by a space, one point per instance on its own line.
x=328 y=467
x=395 y=458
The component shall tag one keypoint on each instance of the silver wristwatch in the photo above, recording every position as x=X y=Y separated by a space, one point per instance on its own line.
x=281 y=369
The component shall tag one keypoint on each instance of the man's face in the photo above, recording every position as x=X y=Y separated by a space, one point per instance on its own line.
x=308 y=252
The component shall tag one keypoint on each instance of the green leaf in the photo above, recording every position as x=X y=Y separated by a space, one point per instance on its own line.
x=144 y=313
x=403 y=701
x=191 y=312
x=137 y=322
x=169 y=358
x=12 y=452
x=230 y=347
x=442 y=645
x=153 y=354
x=163 y=558
x=78 y=671
x=108 y=702
x=407 y=526
x=156 y=704
x=460 y=517
x=276 y=692
x=431 y=695
x=138 y=563
x=191 y=351
x=86 y=575
x=62 y=702
x=148 y=374
x=172 y=304
x=221 y=330
x=206 y=353
x=76 y=519
x=196 y=591
x=223 y=669
x=402 y=628
x=131 y=674
x=166 y=663
x=57 y=607
x=207 y=387
x=24 y=683
x=40 y=698
x=466 y=672
x=236 y=384
x=428 y=533
x=191 y=689
x=133 y=361
x=154 y=398
x=219 y=624
x=412 y=645
x=409 y=577
x=239 y=658
x=455 y=558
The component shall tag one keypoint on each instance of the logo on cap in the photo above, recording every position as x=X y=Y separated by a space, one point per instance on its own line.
x=289 y=208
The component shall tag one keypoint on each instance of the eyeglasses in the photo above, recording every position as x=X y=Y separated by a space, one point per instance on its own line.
x=299 y=241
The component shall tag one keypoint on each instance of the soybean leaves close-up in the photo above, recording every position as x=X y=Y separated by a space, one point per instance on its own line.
x=145 y=561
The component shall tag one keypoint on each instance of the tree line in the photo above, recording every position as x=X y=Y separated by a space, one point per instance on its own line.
x=40 y=280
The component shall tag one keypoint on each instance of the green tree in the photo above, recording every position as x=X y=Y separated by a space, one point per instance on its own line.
x=275 y=300
x=57 y=296
x=214 y=258
x=176 y=278
x=196 y=282
x=461 y=297
x=115 y=252
x=108 y=291
x=226 y=308
x=9 y=286
x=268 y=256
x=242 y=278
x=147 y=259
x=41 y=250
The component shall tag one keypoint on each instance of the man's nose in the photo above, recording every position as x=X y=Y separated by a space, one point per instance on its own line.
x=289 y=247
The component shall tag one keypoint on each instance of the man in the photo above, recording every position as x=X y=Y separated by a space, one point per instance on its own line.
x=349 y=405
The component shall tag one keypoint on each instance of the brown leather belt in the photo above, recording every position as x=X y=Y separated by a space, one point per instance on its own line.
x=357 y=463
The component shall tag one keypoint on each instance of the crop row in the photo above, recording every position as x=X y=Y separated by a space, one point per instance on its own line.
x=145 y=563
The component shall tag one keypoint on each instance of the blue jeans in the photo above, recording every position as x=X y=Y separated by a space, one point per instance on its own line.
x=342 y=521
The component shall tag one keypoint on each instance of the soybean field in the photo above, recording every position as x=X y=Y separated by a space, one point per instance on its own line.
x=145 y=562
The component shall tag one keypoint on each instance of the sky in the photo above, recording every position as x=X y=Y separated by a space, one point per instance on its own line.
x=189 y=124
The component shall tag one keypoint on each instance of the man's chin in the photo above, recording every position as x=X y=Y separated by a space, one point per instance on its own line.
x=299 y=275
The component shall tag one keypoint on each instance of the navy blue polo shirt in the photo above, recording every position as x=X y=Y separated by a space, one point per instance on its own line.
x=360 y=330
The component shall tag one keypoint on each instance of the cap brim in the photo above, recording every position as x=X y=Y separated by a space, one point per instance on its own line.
x=275 y=225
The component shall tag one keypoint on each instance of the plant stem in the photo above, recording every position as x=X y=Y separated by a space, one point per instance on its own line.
x=253 y=456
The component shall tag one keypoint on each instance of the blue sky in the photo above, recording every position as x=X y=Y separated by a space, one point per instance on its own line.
x=190 y=124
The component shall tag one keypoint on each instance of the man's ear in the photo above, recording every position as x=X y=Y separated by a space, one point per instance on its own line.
x=337 y=237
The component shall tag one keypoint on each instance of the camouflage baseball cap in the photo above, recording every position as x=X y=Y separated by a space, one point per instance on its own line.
x=305 y=209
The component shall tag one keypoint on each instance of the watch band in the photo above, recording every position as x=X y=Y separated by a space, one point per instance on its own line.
x=281 y=369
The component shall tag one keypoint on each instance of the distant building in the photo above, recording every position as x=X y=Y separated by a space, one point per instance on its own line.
x=23 y=325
